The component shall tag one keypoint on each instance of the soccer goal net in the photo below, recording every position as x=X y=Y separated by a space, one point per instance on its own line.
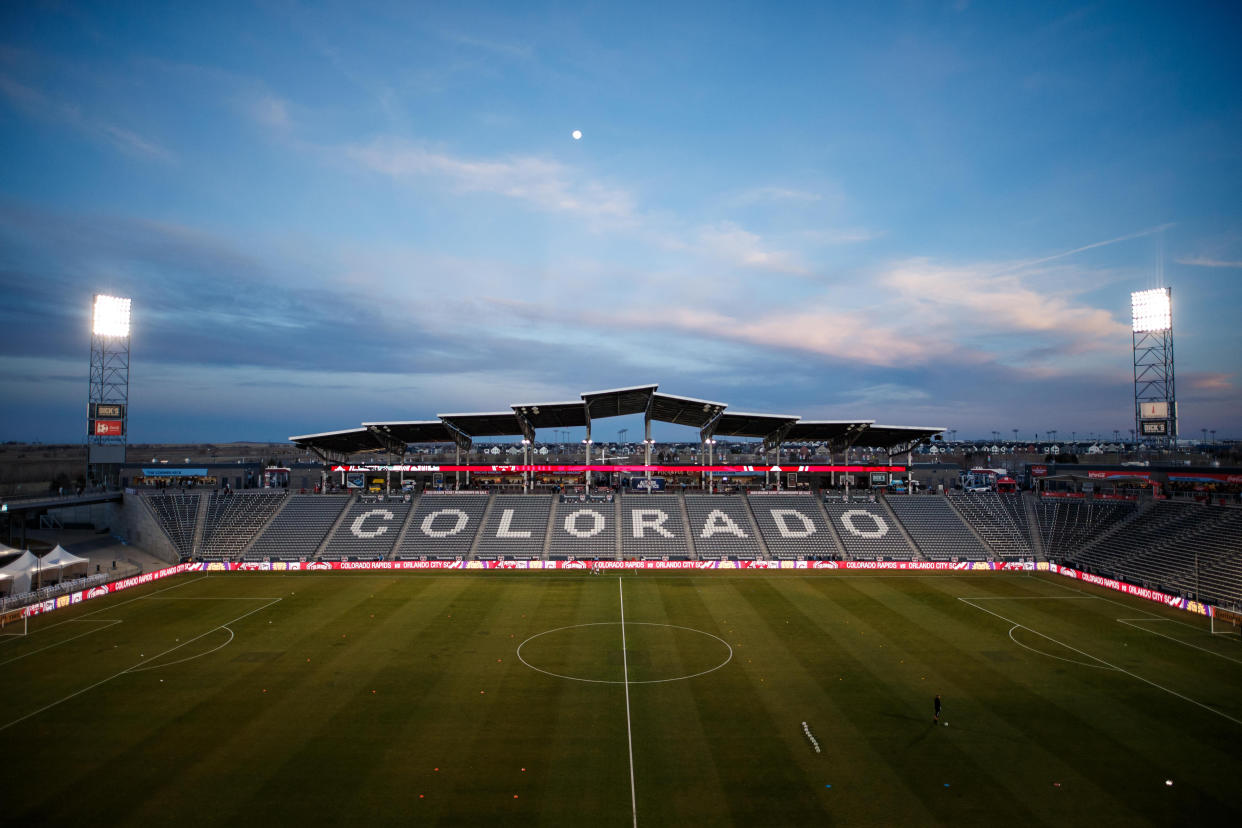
x=13 y=622
x=1226 y=622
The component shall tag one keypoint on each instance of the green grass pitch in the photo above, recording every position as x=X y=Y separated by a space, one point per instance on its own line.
x=377 y=699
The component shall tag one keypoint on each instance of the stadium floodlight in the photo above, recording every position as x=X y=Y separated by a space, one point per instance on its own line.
x=1152 y=310
x=111 y=316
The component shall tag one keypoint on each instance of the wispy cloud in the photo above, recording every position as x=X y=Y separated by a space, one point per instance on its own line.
x=548 y=185
x=270 y=111
x=1203 y=261
x=758 y=195
x=1065 y=253
x=504 y=48
x=743 y=248
x=42 y=106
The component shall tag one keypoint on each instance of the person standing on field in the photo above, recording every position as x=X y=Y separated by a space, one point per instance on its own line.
x=936 y=718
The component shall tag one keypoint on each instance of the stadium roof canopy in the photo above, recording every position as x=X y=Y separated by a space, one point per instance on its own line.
x=617 y=402
x=668 y=408
x=486 y=424
x=888 y=436
x=744 y=424
x=571 y=414
x=826 y=431
x=345 y=441
x=711 y=418
x=415 y=431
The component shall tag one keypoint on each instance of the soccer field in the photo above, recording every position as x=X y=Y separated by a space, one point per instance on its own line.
x=477 y=697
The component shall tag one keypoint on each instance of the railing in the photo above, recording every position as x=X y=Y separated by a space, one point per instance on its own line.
x=44 y=593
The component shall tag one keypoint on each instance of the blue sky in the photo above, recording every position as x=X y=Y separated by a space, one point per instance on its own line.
x=920 y=213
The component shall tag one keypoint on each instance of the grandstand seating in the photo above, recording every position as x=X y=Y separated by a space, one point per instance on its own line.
x=516 y=527
x=233 y=520
x=1066 y=526
x=300 y=527
x=443 y=526
x=177 y=515
x=999 y=518
x=936 y=529
x=584 y=530
x=866 y=532
x=651 y=527
x=368 y=531
x=1158 y=546
x=793 y=526
x=721 y=526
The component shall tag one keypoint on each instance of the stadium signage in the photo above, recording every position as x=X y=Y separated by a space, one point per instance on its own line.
x=108 y=428
x=516 y=469
x=107 y=411
x=1173 y=601
x=1118 y=475
x=1205 y=477
x=162 y=472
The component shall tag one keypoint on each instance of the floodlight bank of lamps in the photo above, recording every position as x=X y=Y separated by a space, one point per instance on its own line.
x=1152 y=310
x=111 y=317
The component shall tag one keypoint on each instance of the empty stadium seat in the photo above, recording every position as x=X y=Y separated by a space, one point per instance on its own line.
x=368 y=532
x=298 y=530
x=651 y=527
x=793 y=526
x=516 y=527
x=444 y=525
x=936 y=529
x=720 y=526
x=866 y=532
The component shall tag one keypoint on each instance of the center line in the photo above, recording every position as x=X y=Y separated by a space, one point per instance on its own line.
x=629 y=734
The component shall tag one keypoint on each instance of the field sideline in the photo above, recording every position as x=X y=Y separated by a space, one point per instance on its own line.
x=403 y=697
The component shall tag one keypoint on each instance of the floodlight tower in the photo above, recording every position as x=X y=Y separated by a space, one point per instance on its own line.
x=108 y=398
x=1155 y=400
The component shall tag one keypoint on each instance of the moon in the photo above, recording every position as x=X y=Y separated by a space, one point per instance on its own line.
x=577 y=133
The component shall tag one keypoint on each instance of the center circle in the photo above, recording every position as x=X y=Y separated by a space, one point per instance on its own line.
x=654 y=653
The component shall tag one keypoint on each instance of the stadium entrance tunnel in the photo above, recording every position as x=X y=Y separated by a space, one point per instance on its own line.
x=654 y=653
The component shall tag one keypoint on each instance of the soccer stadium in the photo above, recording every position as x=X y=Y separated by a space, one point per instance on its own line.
x=632 y=641
x=621 y=414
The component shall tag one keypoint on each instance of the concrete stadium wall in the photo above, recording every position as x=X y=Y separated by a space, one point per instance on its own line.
x=139 y=527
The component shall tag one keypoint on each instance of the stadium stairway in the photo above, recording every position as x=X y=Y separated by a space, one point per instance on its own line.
x=754 y=527
x=405 y=527
x=818 y=497
x=685 y=526
x=323 y=545
x=882 y=502
x=200 y=525
x=966 y=521
x=547 y=535
x=617 y=512
x=473 y=554
x=255 y=539
x=1034 y=536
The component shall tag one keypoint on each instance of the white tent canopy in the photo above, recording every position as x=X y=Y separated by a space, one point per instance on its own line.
x=22 y=572
x=61 y=558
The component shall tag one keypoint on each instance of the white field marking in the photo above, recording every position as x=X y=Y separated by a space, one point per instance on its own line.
x=1126 y=606
x=728 y=658
x=1050 y=655
x=1114 y=666
x=227 y=642
x=1020 y=597
x=629 y=734
x=1129 y=623
x=66 y=641
x=121 y=604
x=73 y=695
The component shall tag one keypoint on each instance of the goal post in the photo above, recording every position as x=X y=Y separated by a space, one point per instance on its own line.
x=1226 y=622
x=13 y=622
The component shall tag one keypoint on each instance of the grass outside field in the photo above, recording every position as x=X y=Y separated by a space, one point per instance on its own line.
x=402 y=698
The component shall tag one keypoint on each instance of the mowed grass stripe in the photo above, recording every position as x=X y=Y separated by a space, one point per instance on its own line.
x=587 y=770
x=676 y=722
x=793 y=667
x=1066 y=716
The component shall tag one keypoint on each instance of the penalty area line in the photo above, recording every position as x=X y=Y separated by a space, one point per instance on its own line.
x=135 y=667
x=1109 y=664
x=1129 y=622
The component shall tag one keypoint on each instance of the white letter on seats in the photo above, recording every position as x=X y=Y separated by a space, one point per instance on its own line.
x=779 y=515
x=359 y=532
x=719 y=523
x=880 y=530
x=504 y=531
x=462 y=520
x=649 y=519
x=571 y=523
